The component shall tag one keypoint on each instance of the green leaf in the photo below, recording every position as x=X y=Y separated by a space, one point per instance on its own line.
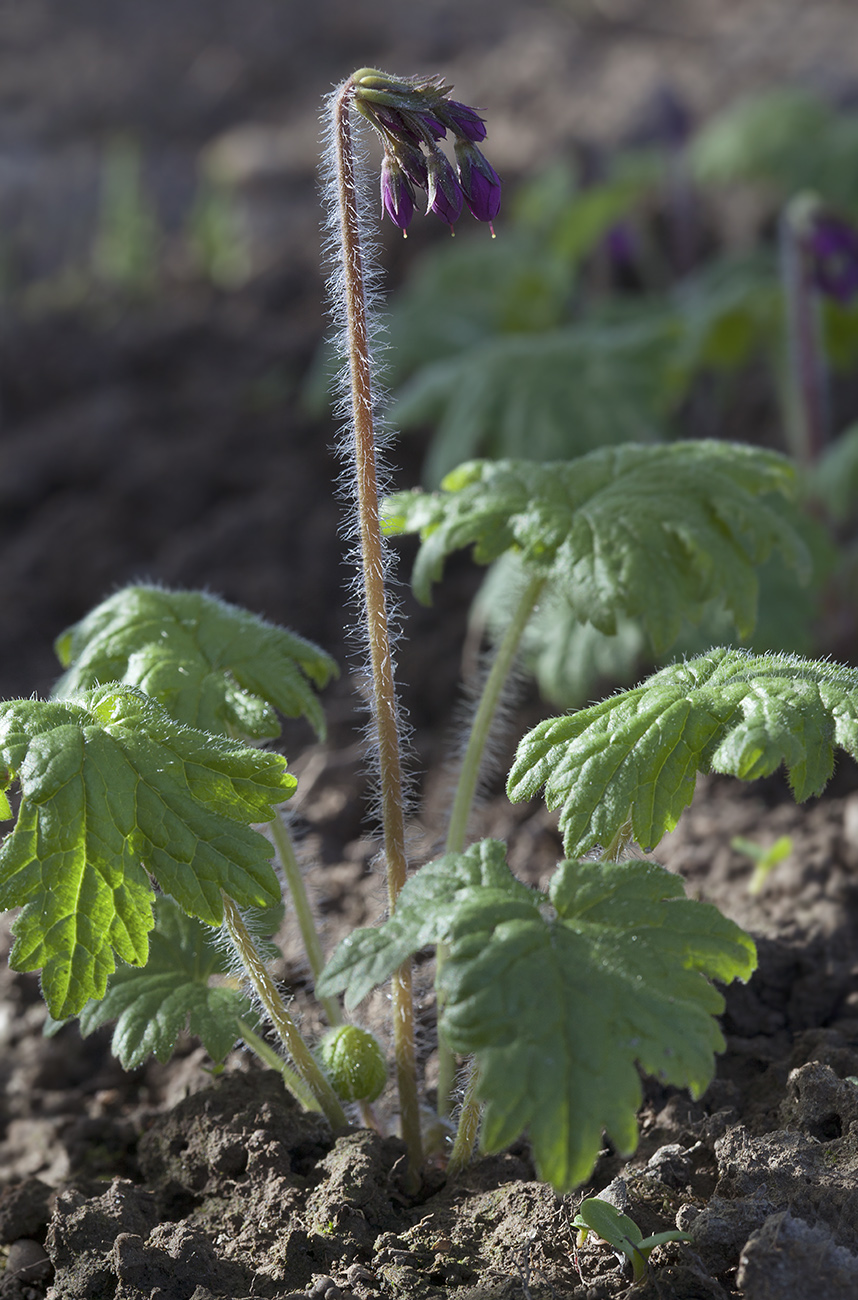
x=112 y=789
x=423 y=915
x=835 y=476
x=567 y=658
x=172 y=992
x=647 y=532
x=785 y=138
x=560 y=1008
x=621 y=1232
x=635 y=757
x=211 y=665
x=546 y=396
x=609 y=1223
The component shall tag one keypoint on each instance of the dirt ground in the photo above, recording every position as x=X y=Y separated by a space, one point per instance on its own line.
x=157 y=431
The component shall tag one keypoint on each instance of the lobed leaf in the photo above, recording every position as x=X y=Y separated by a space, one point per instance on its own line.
x=643 y=532
x=549 y=395
x=113 y=790
x=634 y=758
x=561 y=1002
x=424 y=910
x=154 y=1005
x=210 y=664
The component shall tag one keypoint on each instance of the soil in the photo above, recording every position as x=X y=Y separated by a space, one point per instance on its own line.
x=160 y=434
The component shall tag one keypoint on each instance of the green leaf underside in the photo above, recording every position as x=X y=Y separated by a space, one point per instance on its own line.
x=211 y=665
x=154 y=1005
x=635 y=756
x=113 y=790
x=652 y=533
x=550 y=395
x=560 y=998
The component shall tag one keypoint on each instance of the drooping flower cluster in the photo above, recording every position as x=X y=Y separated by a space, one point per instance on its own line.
x=832 y=245
x=411 y=115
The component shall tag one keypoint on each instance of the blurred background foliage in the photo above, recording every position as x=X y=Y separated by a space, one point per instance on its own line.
x=638 y=297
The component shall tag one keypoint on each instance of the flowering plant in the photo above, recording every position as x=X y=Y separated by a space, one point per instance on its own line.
x=139 y=784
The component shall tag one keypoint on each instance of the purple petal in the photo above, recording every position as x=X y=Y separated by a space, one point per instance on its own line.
x=394 y=124
x=445 y=192
x=397 y=196
x=480 y=182
x=833 y=248
x=464 y=121
x=435 y=128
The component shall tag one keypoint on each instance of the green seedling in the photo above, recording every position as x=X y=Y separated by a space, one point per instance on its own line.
x=140 y=788
x=764 y=860
x=609 y=1224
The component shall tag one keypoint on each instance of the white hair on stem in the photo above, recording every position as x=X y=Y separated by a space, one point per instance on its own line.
x=371 y=275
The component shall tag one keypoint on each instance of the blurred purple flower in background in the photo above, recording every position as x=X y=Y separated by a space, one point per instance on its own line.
x=411 y=116
x=832 y=245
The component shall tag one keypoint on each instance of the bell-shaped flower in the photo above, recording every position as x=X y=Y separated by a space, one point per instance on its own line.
x=480 y=182
x=445 y=192
x=464 y=121
x=397 y=194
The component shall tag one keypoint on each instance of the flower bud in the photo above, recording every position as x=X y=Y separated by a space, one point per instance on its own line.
x=464 y=121
x=411 y=114
x=480 y=182
x=445 y=192
x=354 y=1062
x=397 y=194
x=832 y=244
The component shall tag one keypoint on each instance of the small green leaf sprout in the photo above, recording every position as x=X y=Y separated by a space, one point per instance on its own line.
x=764 y=859
x=609 y=1224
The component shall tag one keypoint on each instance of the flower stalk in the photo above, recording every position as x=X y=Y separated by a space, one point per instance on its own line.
x=375 y=602
x=410 y=116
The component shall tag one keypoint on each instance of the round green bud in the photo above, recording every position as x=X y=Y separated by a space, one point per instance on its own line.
x=354 y=1062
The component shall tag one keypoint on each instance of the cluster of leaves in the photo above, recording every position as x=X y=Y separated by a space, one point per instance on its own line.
x=651 y=533
x=115 y=794
x=134 y=774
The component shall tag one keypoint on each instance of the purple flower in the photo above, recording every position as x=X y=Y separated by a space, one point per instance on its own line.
x=464 y=121
x=395 y=125
x=413 y=163
x=445 y=192
x=411 y=115
x=480 y=182
x=397 y=195
x=833 y=248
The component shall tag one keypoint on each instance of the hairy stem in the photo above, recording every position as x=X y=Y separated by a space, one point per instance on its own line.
x=285 y=1027
x=303 y=911
x=469 y=1125
x=375 y=603
x=292 y=1081
x=467 y=785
